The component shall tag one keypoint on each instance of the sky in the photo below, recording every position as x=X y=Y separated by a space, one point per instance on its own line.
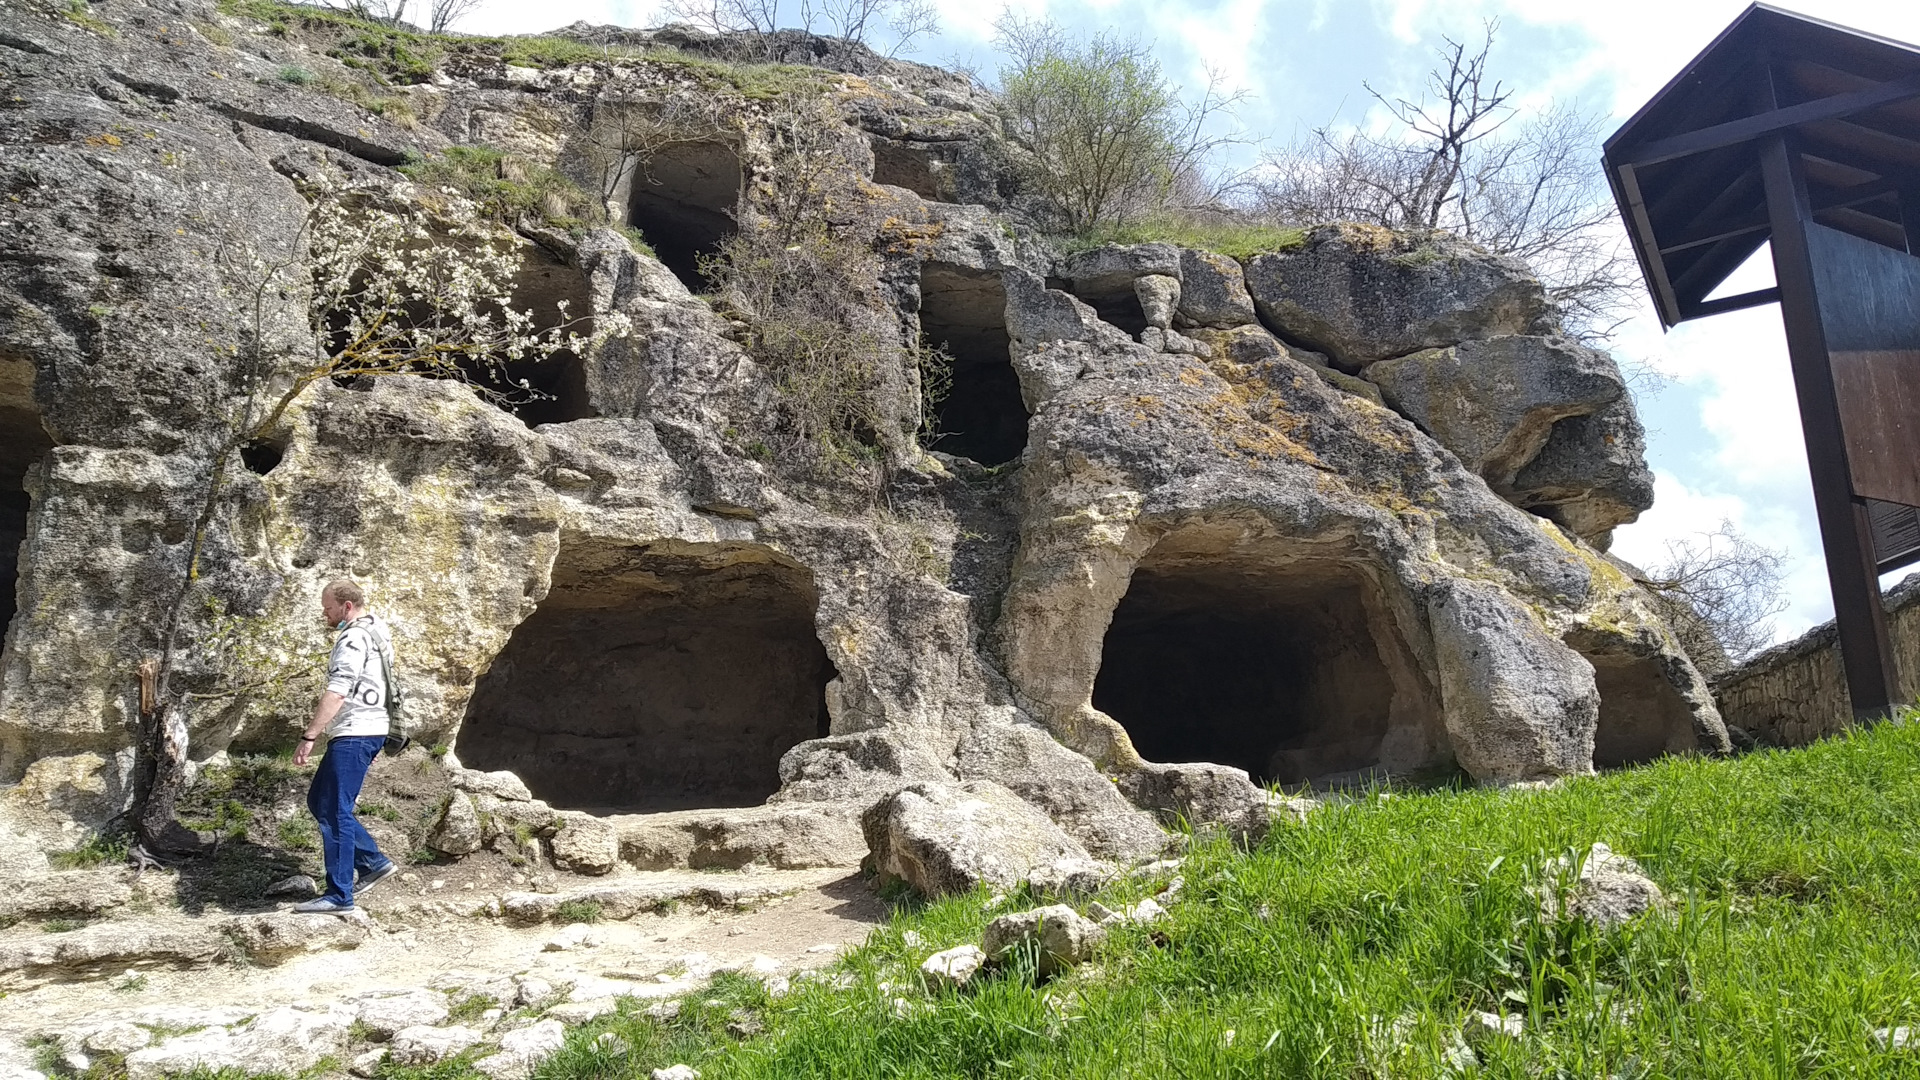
x=1723 y=432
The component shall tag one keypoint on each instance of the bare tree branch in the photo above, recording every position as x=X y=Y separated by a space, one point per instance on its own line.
x=1463 y=158
x=1731 y=584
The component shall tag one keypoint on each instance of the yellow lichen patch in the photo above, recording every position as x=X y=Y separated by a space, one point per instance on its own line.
x=902 y=237
x=1192 y=376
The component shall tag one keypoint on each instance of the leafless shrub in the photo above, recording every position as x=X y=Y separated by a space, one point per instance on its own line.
x=802 y=276
x=444 y=13
x=858 y=22
x=1463 y=158
x=1731 y=584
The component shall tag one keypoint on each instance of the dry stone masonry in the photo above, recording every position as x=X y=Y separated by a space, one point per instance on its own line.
x=1185 y=525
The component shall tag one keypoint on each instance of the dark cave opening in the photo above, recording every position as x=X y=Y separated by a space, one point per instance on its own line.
x=684 y=202
x=13 y=532
x=24 y=442
x=550 y=389
x=908 y=165
x=983 y=416
x=1113 y=299
x=1642 y=715
x=1275 y=669
x=655 y=679
x=262 y=456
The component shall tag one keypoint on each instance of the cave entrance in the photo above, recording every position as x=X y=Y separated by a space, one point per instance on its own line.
x=1643 y=716
x=965 y=312
x=910 y=165
x=1294 y=671
x=684 y=202
x=552 y=389
x=667 y=677
x=23 y=443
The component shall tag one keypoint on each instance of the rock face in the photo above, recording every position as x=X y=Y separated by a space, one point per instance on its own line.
x=653 y=624
x=943 y=838
x=1498 y=404
x=1362 y=294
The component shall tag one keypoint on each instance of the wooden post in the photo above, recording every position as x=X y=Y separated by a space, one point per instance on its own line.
x=1866 y=653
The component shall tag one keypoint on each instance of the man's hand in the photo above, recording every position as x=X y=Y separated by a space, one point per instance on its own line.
x=323 y=714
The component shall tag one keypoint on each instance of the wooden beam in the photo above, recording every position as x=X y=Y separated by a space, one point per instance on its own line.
x=1733 y=303
x=1749 y=128
x=1866 y=654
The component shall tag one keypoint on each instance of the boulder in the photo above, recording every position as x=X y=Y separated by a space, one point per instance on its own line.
x=1111 y=269
x=950 y=838
x=423 y=1044
x=1072 y=877
x=278 y=936
x=952 y=968
x=1521 y=705
x=1592 y=474
x=1159 y=297
x=785 y=835
x=73 y=892
x=1609 y=891
x=585 y=844
x=110 y=947
x=1202 y=795
x=1494 y=402
x=458 y=831
x=521 y=1051
x=1030 y=762
x=1213 y=292
x=1060 y=937
x=861 y=766
x=501 y=784
x=385 y=1012
x=1362 y=294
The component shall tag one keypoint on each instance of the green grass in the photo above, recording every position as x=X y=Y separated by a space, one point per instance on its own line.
x=299 y=834
x=1234 y=241
x=1356 y=944
x=577 y=911
x=229 y=817
x=506 y=186
x=99 y=850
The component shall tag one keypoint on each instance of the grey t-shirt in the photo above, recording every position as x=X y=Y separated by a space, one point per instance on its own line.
x=354 y=672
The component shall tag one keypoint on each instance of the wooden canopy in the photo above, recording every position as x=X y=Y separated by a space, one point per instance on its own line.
x=1686 y=169
x=1797 y=132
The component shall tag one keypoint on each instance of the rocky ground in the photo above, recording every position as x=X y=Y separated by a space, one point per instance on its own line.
x=293 y=992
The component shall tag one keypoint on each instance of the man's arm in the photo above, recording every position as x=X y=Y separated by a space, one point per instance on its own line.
x=323 y=714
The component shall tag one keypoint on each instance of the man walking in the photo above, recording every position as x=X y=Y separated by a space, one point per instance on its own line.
x=352 y=712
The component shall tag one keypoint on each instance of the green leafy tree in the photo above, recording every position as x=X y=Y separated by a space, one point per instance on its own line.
x=1106 y=134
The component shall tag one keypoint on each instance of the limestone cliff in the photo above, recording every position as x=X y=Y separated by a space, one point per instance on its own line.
x=1177 y=508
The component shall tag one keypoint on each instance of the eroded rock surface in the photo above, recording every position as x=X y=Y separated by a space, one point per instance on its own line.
x=1168 y=543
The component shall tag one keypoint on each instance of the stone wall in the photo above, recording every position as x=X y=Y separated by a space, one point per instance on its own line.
x=1795 y=693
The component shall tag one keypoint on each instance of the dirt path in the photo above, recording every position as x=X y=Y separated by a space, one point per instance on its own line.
x=827 y=910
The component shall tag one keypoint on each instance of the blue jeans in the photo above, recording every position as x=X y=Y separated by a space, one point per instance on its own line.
x=344 y=842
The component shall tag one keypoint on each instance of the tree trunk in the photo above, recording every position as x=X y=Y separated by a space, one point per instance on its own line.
x=161 y=777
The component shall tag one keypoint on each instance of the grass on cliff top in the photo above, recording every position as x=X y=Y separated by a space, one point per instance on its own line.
x=1234 y=240
x=398 y=56
x=1356 y=944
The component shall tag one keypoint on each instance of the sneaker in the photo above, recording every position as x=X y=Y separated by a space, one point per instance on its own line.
x=374 y=877
x=324 y=906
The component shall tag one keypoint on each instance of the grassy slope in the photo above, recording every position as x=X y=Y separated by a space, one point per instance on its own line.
x=1795 y=933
